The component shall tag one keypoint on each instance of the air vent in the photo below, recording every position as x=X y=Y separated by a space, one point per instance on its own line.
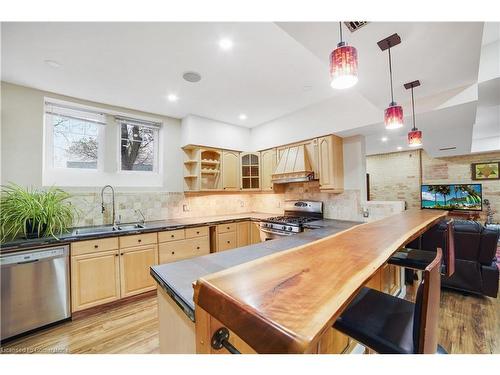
x=355 y=25
x=192 y=76
x=447 y=148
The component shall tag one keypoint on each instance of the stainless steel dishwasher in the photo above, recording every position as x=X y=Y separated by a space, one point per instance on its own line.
x=35 y=289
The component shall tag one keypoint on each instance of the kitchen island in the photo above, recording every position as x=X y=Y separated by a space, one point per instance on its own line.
x=288 y=301
x=177 y=311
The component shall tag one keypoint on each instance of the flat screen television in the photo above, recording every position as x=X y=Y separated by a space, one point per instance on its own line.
x=467 y=197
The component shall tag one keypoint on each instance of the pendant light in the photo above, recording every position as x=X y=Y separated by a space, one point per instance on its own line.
x=343 y=65
x=393 y=115
x=415 y=135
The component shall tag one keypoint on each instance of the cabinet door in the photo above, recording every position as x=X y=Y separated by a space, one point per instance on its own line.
x=268 y=165
x=243 y=231
x=331 y=163
x=254 y=232
x=250 y=171
x=391 y=279
x=134 y=269
x=333 y=342
x=95 y=279
x=226 y=241
x=230 y=170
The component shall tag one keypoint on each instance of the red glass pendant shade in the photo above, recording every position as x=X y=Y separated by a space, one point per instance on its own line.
x=343 y=66
x=393 y=116
x=415 y=138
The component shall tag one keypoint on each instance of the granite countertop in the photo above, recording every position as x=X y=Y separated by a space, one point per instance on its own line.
x=150 y=226
x=177 y=278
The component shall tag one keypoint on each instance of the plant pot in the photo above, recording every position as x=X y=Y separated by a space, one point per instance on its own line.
x=32 y=229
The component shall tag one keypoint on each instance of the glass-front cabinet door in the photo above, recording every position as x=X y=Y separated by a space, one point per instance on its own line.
x=250 y=171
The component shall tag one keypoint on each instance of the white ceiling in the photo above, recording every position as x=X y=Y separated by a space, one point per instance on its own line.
x=136 y=65
x=273 y=70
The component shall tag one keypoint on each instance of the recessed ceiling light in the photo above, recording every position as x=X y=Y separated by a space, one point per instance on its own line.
x=172 y=97
x=243 y=116
x=52 y=63
x=400 y=148
x=225 y=44
x=384 y=139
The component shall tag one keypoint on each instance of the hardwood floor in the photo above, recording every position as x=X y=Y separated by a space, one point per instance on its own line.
x=468 y=324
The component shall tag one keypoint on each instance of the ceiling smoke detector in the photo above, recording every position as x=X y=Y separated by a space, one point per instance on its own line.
x=355 y=25
x=192 y=77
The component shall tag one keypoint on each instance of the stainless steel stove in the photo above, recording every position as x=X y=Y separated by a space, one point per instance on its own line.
x=296 y=214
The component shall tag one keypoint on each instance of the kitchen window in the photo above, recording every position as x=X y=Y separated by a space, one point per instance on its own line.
x=138 y=145
x=74 y=137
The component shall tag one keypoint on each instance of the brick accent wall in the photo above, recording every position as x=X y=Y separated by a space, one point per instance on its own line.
x=397 y=176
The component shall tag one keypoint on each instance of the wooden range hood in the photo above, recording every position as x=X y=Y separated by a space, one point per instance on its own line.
x=293 y=166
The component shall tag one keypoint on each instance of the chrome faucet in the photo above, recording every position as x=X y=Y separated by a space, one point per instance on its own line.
x=113 y=202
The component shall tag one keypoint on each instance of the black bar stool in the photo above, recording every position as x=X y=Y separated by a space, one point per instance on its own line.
x=391 y=325
x=419 y=259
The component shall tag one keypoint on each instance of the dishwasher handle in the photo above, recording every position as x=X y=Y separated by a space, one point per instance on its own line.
x=34 y=255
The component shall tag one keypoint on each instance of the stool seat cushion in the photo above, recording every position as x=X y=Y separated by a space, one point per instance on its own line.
x=380 y=321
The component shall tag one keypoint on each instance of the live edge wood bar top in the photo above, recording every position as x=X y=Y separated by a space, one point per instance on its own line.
x=285 y=302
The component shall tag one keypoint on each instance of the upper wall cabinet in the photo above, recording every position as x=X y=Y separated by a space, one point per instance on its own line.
x=331 y=164
x=250 y=171
x=230 y=170
x=191 y=168
x=267 y=167
x=202 y=168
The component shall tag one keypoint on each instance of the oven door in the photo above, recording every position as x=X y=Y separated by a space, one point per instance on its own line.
x=269 y=234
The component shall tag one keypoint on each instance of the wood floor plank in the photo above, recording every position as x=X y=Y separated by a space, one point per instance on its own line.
x=468 y=324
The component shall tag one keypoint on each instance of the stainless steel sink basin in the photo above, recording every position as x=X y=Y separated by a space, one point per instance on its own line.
x=107 y=229
x=131 y=226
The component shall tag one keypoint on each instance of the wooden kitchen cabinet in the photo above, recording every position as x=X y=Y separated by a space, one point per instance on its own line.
x=331 y=164
x=95 y=279
x=243 y=234
x=134 y=269
x=230 y=170
x=333 y=342
x=390 y=279
x=267 y=167
x=227 y=241
x=174 y=251
x=250 y=171
x=255 y=232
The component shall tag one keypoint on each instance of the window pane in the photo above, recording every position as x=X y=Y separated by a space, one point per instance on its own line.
x=75 y=143
x=137 y=147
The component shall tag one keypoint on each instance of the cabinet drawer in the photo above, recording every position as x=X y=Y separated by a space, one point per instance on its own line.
x=137 y=240
x=171 y=235
x=223 y=228
x=92 y=246
x=201 y=246
x=227 y=241
x=174 y=251
x=196 y=232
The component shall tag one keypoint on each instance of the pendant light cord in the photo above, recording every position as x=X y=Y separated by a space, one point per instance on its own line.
x=390 y=74
x=340 y=28
x=413 y=109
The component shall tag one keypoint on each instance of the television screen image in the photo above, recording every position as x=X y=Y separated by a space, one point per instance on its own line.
x=466 y=197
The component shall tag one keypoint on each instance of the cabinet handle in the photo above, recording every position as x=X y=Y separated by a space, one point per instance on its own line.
x=197 y=248
x=139 y=240
x=172 y=236
x=121 y=253
x=197 y=232
x=116 y=254
x=96 y=246
x=173 y=252
x=228 y=241
x=228 y=228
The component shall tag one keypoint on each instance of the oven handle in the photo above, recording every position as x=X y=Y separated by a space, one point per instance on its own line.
x=278 y=233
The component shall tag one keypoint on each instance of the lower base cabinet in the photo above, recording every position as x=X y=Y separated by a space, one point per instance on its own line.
x=134 y=269
x=174 y=251
x=95 y=279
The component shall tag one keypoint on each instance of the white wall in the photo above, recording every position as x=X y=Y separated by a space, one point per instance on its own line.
x=488 y=64
x=22 y=142
x=355 y=165
x=202 y=131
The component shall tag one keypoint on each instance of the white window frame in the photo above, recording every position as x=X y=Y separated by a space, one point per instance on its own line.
x=156 y=146
x=109 y=162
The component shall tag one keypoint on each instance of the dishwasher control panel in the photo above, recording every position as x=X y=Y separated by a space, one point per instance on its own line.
x=32 y=256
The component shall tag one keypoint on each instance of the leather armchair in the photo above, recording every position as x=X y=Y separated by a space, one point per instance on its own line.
x=475 y=263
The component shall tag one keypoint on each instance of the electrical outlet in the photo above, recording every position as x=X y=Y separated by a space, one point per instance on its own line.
x=185 y=208
x=242 y=203
x=366 y=213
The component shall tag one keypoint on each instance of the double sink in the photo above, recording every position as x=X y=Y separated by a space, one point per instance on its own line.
x=107 y=229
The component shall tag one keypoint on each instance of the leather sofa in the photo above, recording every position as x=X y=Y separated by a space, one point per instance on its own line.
x=475 y=249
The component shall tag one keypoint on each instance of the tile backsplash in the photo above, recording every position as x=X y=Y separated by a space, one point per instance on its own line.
x=158 y=205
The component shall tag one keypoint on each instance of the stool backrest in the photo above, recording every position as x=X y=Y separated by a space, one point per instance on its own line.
x=449 y=256
x=425 y=320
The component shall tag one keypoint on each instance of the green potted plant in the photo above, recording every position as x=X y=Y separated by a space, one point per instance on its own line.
x=34 y=213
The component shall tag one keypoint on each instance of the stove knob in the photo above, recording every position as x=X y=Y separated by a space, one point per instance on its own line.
x=290 y=228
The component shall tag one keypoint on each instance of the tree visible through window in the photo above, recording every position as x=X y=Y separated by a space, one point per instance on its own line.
x=138 y=147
